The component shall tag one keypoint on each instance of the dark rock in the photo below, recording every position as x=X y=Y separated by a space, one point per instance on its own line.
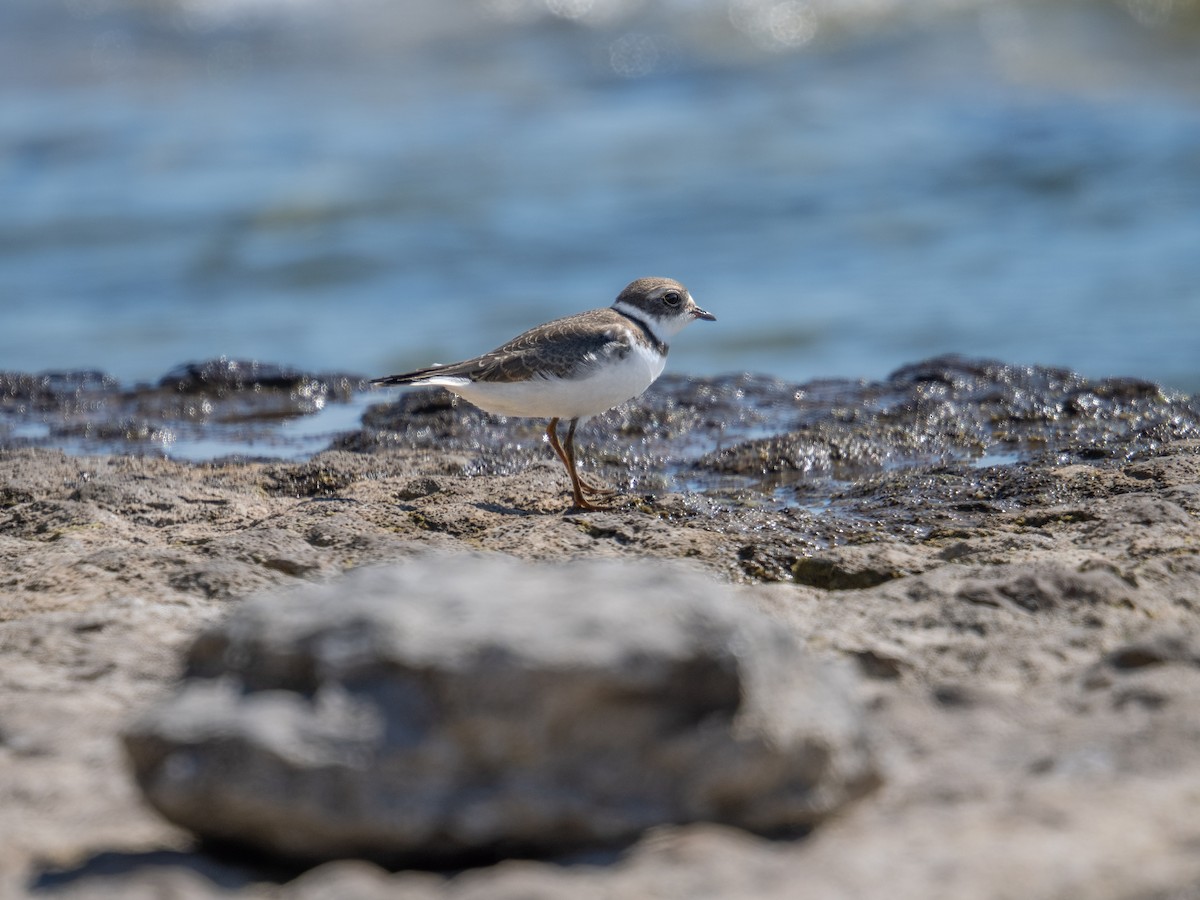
x=220 y=376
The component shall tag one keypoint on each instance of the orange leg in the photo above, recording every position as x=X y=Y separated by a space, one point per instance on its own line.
x=569 y=447
x=566 y=455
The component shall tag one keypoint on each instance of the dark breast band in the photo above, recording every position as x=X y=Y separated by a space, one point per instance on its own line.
x=653 y=341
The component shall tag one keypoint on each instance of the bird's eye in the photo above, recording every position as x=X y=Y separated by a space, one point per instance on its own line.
x=672 y=298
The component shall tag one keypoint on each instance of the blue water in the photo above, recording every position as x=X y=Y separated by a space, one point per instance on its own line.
x=369 y=186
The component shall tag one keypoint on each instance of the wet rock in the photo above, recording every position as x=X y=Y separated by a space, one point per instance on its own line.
x=978 y=430
x=51 y=391
x=219 y=376
x=459 y=707
x=221 y=401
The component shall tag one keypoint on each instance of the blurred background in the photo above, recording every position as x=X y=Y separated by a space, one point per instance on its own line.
x=370 y=185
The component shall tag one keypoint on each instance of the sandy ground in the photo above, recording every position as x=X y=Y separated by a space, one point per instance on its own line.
x=1030 y=661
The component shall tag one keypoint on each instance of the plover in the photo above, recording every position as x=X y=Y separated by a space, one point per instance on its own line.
x=574 y=367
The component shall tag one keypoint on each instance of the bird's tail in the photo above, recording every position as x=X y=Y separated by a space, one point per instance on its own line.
x=414 y=377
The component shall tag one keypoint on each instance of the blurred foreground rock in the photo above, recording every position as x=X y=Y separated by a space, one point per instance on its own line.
x=464 y=707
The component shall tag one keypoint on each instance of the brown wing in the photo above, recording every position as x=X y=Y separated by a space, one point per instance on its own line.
x=556 y=349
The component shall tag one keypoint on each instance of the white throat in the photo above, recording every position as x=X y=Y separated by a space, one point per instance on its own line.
x=662 y=329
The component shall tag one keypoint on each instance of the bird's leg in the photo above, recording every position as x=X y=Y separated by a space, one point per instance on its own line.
x=568 y=461
x=588 y=489
x=552 y=433
x=569 y=449
x=579 y=487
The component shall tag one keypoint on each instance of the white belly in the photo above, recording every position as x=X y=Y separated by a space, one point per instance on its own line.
x=548 y=398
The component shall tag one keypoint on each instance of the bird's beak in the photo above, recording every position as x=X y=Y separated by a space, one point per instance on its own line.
x=698 y=313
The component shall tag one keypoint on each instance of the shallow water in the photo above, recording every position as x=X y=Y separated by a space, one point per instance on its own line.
x=368 y=186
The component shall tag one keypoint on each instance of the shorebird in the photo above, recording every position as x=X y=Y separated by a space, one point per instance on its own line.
x=574 y=367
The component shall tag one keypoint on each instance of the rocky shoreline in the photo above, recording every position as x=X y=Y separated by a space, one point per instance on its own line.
x=1007 y=559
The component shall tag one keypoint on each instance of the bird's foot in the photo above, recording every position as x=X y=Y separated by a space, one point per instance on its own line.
x=583 y=504
x=596 y=491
